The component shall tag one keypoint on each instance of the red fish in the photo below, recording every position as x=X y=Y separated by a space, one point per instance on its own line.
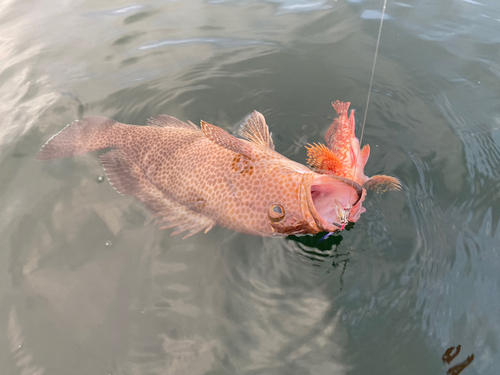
x=343 y=157
x=193 y=178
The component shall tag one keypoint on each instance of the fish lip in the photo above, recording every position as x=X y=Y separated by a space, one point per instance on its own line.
x=323 y=224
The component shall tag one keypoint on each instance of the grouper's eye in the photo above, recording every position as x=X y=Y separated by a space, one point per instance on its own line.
x=276 y=212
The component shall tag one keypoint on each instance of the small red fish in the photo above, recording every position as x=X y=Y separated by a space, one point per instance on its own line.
x=343 y=157
x=193 y=178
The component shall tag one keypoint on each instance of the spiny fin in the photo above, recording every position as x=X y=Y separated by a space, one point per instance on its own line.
x=254 y=129
x=381 y=183
x=323 y=159
x=127 y=178
x=169 y=121
x=88 y=134
x=222 y=138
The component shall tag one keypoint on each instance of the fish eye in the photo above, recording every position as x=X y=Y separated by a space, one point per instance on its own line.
x=276 y=212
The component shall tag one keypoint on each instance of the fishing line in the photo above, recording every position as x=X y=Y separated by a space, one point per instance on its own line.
x=368 y=97
x=371 y=78
x=348 y=209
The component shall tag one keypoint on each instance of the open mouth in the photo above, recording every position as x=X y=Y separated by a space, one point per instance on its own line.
x=333 y=197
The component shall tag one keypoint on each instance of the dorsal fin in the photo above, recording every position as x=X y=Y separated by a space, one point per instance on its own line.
x=255 y=129
x=169 y=121
x=224 y=139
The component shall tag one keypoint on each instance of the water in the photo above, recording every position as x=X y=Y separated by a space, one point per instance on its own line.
x=90 y=286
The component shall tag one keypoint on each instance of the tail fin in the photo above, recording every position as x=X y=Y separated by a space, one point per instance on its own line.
x=88 y=134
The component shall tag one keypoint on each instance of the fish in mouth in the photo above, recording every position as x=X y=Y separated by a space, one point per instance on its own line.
x=342 y=156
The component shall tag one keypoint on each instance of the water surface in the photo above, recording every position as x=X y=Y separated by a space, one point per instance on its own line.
x=89 y=285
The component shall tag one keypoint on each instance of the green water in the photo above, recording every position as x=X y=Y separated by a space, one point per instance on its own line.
x=89 y=285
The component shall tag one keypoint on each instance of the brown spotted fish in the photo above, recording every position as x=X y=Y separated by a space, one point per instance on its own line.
x=193 y=178
x=344 y=158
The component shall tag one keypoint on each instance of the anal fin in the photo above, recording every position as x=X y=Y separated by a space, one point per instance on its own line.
x=128 y=179
x=122 y=174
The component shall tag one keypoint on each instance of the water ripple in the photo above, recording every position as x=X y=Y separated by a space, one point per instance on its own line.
x=481 y=140
x=222 y=42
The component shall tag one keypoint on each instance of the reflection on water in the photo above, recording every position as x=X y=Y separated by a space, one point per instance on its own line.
x=324 y=247
x=89 y=285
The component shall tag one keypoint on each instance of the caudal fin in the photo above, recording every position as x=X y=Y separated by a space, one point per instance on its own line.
x=88 y=134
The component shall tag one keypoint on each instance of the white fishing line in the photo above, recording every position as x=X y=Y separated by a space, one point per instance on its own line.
x=348 y=208
x=371 y=78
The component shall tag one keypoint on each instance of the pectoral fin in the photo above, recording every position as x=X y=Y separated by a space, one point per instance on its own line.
x=128 y=179
x=254 y=129
x=381 y=184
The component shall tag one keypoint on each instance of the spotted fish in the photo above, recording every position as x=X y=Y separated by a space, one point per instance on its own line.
x=193 y=178
x=342 y=156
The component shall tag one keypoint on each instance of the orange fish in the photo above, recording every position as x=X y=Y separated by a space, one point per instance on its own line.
x=193 y=178
x=344 y=158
